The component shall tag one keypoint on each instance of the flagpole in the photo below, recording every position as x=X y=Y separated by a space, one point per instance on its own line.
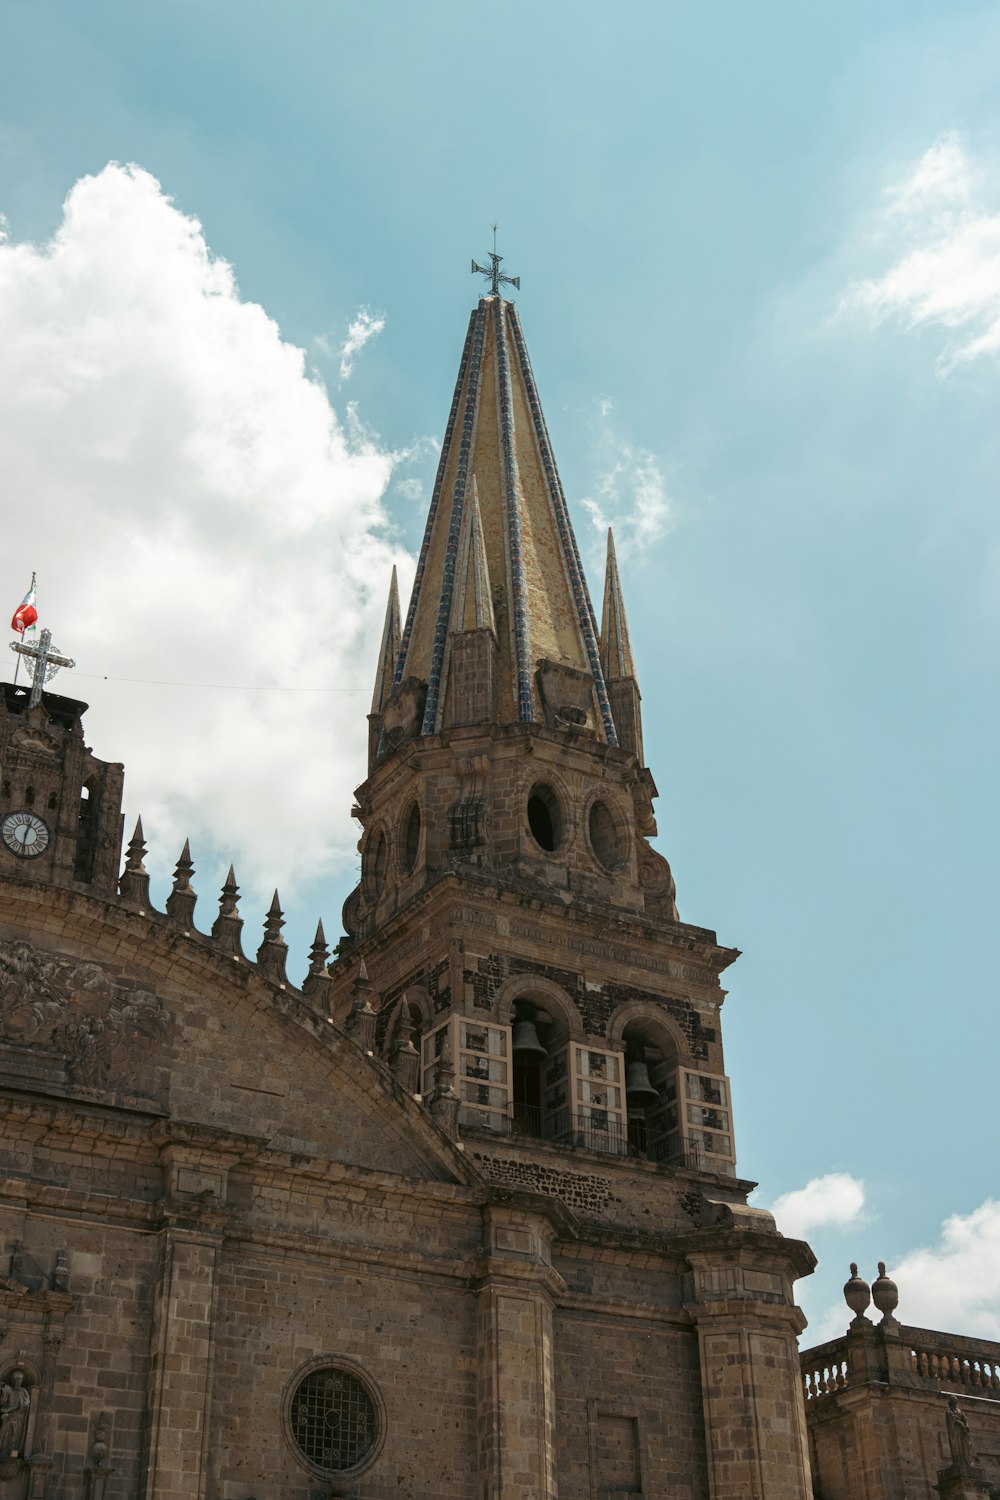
x=30 y=594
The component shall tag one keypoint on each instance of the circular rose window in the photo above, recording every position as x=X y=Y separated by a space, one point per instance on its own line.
x=334 y=1420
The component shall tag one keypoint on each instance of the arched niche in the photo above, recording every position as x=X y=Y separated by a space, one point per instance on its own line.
x=421 y=1009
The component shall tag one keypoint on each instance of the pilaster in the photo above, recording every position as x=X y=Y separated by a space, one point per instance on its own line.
x=751 y=1386
x=180 y=1375
x=516 y=1389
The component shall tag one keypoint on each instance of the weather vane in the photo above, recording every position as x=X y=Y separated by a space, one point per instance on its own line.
x=497 y=278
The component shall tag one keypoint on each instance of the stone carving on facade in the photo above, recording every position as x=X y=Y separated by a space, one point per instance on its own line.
x=567 y=695
x=658 y=887
x=97 y=1469
x=103 y=1030
x=15 y=1408
x=404 y=712
x=959 y=1436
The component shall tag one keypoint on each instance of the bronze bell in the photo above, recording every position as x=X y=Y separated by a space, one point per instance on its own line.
x=638 y=1090
x=525 y=1045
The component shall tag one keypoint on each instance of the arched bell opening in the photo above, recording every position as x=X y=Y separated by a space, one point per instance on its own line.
x=651 y=1092
x=535 y=1034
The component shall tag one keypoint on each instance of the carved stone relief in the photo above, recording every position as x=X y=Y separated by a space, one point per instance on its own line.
x=101 y=1029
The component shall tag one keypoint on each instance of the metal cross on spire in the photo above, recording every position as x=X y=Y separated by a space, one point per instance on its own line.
x=497 y=278
x=43 y=661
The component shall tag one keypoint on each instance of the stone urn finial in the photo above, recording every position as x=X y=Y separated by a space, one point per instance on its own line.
x=857 y=1295
x=885 y=1295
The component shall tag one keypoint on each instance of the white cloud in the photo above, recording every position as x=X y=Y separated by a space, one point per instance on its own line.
x=955 y=1286
x=630 y=491
x=942 y=226
x=197 y=513
x=836 y=1199
x=365 y=325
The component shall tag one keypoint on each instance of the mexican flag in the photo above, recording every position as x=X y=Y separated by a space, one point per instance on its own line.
x=26 y=614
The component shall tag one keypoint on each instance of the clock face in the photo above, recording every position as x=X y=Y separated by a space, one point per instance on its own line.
x=25 y=834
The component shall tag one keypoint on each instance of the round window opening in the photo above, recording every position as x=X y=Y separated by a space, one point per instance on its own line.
x=545 y=817
x=411 y=838
x=604 y=839
x=333 y=1419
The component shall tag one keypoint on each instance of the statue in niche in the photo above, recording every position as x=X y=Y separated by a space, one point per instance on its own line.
x=15 y=1405
x=959 y=1436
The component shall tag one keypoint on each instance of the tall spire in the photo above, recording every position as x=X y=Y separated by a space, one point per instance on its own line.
x=616 y=648
x=497 y=461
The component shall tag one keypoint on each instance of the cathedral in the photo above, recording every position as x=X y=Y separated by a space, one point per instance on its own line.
x=458 y=1218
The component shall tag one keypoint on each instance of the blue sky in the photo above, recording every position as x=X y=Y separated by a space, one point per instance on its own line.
x=760 y=261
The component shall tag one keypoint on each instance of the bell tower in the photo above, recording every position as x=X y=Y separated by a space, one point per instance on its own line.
x=60 y=807
x=510 y=900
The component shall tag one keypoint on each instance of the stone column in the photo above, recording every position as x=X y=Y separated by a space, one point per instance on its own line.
x=180 y=1377
x=751 y=1385
x=515 y=1389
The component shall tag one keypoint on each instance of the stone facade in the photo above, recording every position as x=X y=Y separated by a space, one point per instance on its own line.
x=459 y=1218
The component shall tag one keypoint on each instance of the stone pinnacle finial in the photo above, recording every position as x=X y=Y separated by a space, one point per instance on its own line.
x=443 y=1103
x=885 y=1295
x=181 y=901
x=228 y=925
x=133 y=884
x=317 y=982
x=273 y=951
x=360 y=1024
x=857 y=1295
x=404 y=1060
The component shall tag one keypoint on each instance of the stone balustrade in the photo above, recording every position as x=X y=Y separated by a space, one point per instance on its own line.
x=947 y=1359
x=825 y=1369
x=923 y=1358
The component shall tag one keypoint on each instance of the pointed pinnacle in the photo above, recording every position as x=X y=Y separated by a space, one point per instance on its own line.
x=388 y=655
x=228 y=897
x=136 y=850
x=181 y=901
x=273 y=949
x=318 y=980
x=362 y=972
x=319 y=953
x=617 y=661
x=274 y=921
x=133 y=883
x=228 y=924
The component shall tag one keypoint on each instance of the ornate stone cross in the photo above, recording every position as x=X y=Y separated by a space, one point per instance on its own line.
x=45 y=660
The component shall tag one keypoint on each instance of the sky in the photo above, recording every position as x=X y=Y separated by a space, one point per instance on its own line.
x=759 y=250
